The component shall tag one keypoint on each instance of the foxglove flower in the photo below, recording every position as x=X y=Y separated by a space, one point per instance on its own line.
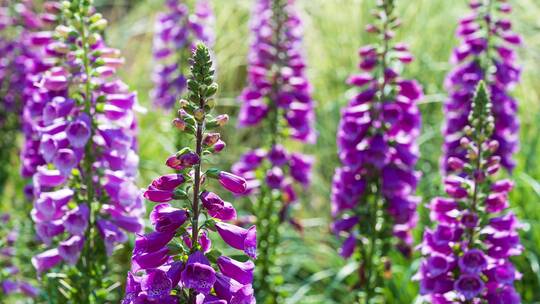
x=467 y=260
x=80 y=151
x=486 y=53
x=176 y=263
x=373 y=192
x=18 y=20
x=276 y=72
x=176 y=33
x=277 y=95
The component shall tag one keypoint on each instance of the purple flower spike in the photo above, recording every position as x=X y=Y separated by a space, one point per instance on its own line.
x=277 y=99
x=501 y=74
x=474 y=239
x=293 y=88
x=198 y=274
x=159 y=256
x=378 y=150
x=177 y=29
x=74 y=155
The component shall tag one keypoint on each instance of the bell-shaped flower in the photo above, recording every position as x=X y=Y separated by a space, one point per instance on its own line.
x=239 y=271
x=46 y=260
x=469 y=286
x=198 y=274
x=156 y=284
x=232 y=291
x=48 y=178
x=152 y=241
x=166 y=218
x=78 y=131
x=150 y=260
x=239 y=238
x=231 y=182
x=70 y=249
x=76 y=220
x=65 y=160
x=111 y=234
x=217 y=208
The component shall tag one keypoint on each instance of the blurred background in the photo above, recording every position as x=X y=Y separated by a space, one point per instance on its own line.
x=312 y=270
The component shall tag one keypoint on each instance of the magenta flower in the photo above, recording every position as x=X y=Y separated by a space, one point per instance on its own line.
x=152 y=242
x=216 y=207
x=157 y=285
x=176 y=32
x=166 y=218
x=172 y=263
x=46 y=260
x=466 y=258
x=88 y=143
x=198 y=274
x=70 y=249
x=374 y=189
x=501 y=73
x=231 y=182
x=239 y=271
x=293 y=94
x=239 y=238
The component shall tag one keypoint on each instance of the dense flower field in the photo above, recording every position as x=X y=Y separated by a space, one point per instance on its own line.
x=269 y=151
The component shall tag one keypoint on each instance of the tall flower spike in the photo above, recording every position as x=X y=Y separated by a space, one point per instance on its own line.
x=176 y=32
x=486 y=53
x=277 y=98
x=179 y=250
x=373 y=192
x=467 y=255
x=80 y=149
x=17 y=21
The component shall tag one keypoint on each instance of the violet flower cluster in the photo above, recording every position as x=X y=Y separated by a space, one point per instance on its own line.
x=277 y=84
x=176 y=33
x=176 y=263
x=277 y=98
x=373 y=192
x=80 y=141
x=486 y=53
x=15 y=23
x=377 y=143
x=467 y=255
x=10 y=280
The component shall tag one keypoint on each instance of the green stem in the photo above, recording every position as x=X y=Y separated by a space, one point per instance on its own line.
x=196 y=190
x=369 y=274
